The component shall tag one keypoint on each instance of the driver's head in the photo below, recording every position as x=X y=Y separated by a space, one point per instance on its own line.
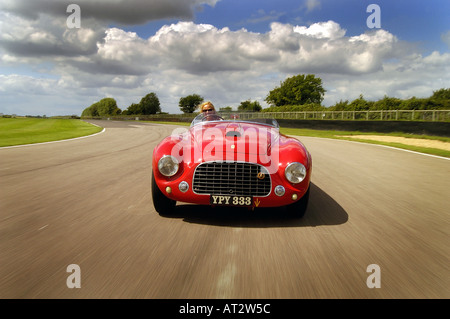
x=207 y=108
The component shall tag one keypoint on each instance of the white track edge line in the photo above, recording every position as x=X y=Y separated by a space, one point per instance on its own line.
x=381 y=145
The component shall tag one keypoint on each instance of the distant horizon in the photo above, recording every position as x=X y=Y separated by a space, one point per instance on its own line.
x=58 y=59
x=179 y=112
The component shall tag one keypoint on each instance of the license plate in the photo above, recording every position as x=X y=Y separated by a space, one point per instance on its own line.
x=226 y=200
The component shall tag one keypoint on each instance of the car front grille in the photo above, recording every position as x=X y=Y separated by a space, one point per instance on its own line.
x=232 y=178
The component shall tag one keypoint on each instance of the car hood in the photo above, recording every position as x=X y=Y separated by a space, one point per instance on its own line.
x=234 y=137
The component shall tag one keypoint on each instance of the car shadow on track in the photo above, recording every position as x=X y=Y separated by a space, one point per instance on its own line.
x=322 y=210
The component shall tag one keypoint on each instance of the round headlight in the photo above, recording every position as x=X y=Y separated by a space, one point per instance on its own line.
x=295 y=172
x=168 y=165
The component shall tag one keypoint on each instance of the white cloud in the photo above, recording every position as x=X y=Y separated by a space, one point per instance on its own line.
x=445 y=37
x=47 y=36
x=322 y=30
x=312 y=5
x=414 y=75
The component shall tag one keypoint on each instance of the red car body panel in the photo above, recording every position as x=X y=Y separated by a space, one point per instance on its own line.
x=233 y=141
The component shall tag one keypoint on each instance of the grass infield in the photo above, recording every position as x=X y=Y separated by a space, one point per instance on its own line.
x=20 y=131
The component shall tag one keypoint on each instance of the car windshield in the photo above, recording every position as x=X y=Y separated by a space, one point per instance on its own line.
x=207 y=118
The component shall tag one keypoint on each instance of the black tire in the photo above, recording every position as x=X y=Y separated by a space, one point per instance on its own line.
x=163 y=205
x=298 y=209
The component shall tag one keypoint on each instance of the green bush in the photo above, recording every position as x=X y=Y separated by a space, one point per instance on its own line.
x=104 y=107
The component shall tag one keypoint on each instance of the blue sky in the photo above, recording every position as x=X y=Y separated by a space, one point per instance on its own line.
x=416 y=21
x=227 y=51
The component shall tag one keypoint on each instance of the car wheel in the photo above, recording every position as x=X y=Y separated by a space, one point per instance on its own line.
x=163 y=205
x=298 y=209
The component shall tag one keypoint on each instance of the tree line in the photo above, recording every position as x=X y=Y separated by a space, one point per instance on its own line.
x=149 y=104
x=296 y=94
x=306 y=93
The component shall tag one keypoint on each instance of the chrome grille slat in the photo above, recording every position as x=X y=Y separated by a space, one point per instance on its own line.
x=231 y=178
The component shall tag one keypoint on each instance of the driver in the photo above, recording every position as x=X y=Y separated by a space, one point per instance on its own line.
x=207 y=108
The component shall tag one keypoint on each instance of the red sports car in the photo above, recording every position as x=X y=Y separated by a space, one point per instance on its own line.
x=231 y=162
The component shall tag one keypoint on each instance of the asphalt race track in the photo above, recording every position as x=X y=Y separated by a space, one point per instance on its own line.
x=88 y=202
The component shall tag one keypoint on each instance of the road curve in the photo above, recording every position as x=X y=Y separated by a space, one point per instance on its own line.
x=88 y=202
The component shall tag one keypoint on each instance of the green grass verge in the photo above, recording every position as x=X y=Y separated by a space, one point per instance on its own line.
x=20 y=131
x=341 y=136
